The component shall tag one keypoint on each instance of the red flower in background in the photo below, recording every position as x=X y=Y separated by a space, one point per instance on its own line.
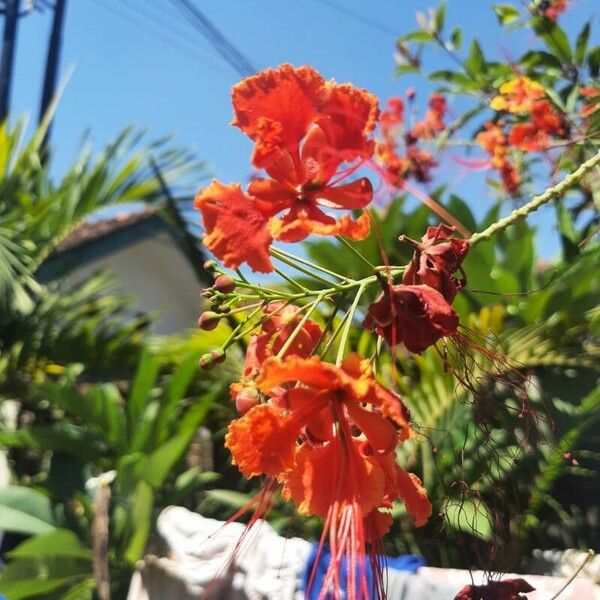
x=433 y=123
x=416 y=163
x=553 y=8
x=303 y=129
x=509 y=589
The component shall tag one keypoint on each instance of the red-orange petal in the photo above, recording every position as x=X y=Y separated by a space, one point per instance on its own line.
x=351 y=114
x=262 y=441
x=236 y=230
x=353 y=195
x=333 y=473
x=310 y=371
x=411 y=491
x=302 y=225
x=275 y=108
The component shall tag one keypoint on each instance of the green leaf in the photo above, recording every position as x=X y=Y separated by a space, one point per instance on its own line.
x=456 y=38
x=12 y=519
x=229 y=498
x=475 y=62
x=60 y=542
x=26 y=510
x=406 y=68
x=440 y=16
x=469 y=516
x=142 y=503
x=142 y=386
x=593 y=61
x=416 y=36
x=581 y=44
x=506 y=13
x=554 y=37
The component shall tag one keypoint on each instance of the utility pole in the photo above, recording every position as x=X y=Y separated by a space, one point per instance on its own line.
x=9 y=40
x=52 y=60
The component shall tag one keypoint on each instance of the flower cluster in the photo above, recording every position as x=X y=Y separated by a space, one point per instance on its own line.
x=326 y=433
x=531 y=125
x=304 y=129
x=416 y=162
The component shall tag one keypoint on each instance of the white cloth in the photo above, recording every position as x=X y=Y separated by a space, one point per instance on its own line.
x=199 y=561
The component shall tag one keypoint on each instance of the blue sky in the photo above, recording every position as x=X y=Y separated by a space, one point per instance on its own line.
x=139 y=62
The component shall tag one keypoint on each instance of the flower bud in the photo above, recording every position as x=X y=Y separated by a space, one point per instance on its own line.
x=208 y=320
x=206 y=362
x=210 y=266
x=218 y=355
x=411 y=93
x=224 y=284
x=246 y=399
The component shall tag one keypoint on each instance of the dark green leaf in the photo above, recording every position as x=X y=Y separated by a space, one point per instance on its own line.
x=456 y=38
x=581 y=44
x=554 y=37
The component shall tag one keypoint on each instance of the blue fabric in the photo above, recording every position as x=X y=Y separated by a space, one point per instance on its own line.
x=318 y=562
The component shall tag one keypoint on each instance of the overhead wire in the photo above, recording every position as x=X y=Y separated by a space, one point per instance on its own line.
x=215 y=38
x=169 y=19
x=156 y=32
x=365 y=20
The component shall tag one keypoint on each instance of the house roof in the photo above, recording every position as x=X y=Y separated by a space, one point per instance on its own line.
x=92 y=231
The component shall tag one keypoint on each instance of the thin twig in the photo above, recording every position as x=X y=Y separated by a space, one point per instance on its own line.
x=590 y=554
x=551 y=193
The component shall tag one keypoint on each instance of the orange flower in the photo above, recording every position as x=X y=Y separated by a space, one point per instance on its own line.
x=593 y=104
x=535 y=135
x=231 y=216
x=303 y=129
x=494 y=142
x=329 y=438
x=345 y=423
x=518 y=95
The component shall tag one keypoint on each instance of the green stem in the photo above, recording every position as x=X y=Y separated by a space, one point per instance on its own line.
x=345 y=333
x=307 y=263
x=309 y=310
x=291 y=281
x=233 y=335
x=294 y=265
x=551 y=193
x=354 y=250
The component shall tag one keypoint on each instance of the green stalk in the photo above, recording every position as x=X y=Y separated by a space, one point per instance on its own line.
x=309 y=311
x=350 y=247
x=551 y=193
x=348 y=324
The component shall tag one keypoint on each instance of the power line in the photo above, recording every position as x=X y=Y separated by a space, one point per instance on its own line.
x=215 y=38
x=169 y=20
x=358 y=17
x=156 y=33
